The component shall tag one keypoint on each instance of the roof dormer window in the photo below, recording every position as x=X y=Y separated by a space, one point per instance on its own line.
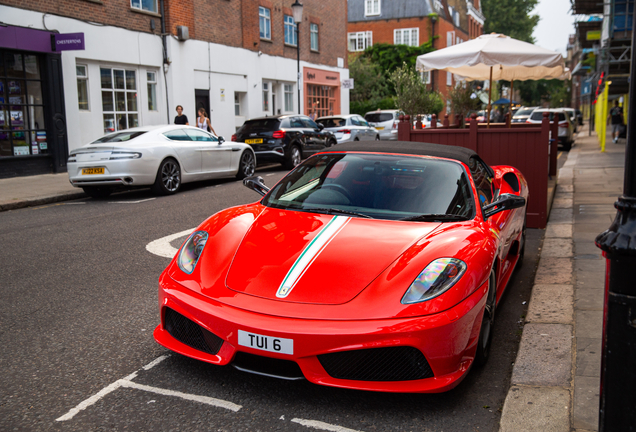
x=372 y=7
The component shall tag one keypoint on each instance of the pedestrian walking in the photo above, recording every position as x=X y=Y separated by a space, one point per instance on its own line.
x=616 y=117
x=181 y=119
x=203 y=122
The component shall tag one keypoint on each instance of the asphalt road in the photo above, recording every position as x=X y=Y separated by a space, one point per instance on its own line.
x=79 y=304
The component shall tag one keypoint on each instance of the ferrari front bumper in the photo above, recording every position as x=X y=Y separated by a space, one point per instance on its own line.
x=446 y=342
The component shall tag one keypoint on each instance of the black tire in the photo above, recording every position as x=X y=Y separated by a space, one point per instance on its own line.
x=98 y=192
x=168 y=179
x=247 y=165
x=567 y=146
x=356 y=139
x=332 y=143
x=487 y=323
x=377 y=137
x=293 y=157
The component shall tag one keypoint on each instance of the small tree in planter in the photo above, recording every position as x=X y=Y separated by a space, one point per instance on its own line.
x=411 y=95
x=462 y=101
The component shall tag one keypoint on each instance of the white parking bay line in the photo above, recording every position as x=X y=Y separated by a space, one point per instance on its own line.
x=131 y=202
x=162 y=246
x=322 y=425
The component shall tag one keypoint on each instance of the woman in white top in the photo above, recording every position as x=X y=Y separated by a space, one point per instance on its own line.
x=203 y=122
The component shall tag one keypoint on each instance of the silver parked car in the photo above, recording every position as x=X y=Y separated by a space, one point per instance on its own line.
x=350 y=127
x=162 y=157
x=385 y=121
x=566 y=128
x=522 y=114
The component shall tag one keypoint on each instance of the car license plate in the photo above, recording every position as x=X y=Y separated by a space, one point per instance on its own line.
x=254 y=141
x=266 y=343
x=86 y=171
x=379 y=127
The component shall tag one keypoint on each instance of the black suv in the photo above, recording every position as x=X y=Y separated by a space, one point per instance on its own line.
x=286 y=139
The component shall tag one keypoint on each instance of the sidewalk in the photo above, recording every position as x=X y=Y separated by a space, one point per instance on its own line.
x=556 y=377
x=19 y=192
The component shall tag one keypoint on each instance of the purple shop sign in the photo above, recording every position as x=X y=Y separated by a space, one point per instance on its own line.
x=67 y=41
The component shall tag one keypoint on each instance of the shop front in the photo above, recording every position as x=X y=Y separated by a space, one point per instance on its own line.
x=32 y=117
x=322 y=92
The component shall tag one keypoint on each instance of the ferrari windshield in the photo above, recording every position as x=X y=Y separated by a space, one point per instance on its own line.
x=378 y=186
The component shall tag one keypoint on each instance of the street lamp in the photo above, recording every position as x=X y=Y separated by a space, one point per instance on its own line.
x=297 y=11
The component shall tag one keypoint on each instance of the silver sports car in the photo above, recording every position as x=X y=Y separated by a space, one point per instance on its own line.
x=162 y=157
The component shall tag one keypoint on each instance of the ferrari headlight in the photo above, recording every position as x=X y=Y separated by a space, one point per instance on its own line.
x=435 y=279
x=191 y=251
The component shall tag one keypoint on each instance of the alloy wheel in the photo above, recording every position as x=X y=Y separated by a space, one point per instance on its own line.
x=170 y=176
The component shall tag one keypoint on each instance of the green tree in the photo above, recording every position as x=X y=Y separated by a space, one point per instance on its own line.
x=411 y=95
x=370 y=90
x=534 y=93
x=390 y=57
x=463 y=99
x=510 y=17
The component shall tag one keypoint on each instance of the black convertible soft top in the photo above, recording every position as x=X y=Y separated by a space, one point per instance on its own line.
x=461 y=154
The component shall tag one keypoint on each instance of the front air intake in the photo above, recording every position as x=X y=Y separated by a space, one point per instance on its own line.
x=190 y=333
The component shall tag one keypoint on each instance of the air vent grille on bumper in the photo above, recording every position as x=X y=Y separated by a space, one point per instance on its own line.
x=190 y=333
x=377 y=364
x=279 y=368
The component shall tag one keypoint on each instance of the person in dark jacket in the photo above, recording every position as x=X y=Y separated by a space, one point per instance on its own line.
x=181 y=119
x=616 y=116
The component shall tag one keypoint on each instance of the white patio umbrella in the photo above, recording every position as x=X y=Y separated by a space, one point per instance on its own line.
x=496 y=56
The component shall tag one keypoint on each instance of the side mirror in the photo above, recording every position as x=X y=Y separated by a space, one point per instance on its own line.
x=320 y=126
x=257 y=184
x=221 y=139
x=505 y=202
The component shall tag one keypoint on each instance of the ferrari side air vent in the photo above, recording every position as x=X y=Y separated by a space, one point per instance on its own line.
x=190 y=333
x=377 y=364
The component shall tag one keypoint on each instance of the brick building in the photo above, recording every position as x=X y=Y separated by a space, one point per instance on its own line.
x=414 y=22
x=236 y=58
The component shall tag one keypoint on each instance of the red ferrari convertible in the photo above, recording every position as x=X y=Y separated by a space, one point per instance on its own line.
x=369 y=266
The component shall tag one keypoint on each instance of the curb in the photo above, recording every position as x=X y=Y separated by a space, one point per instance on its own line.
x=41 y=201
x=542 y=384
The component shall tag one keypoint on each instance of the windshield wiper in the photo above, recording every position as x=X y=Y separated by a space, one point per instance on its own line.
x=436 y=218
x=338 y=211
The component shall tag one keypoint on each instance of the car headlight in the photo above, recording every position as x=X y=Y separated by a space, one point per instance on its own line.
x=191 y=251
x=124 y=155
x=434 y=280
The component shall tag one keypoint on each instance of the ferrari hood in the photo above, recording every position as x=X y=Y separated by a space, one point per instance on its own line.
x=314 y=258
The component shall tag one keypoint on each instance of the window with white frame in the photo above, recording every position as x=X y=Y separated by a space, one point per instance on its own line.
x=360 y=41
x=145 y=5
x=313 y=33
x=372 y=7
x=450 y=38
x=151 y=80
x=237 y=104
x=264 y=22
x=289 y=97
x=449 y=79
x=291 y=35
x=119 y=99
x=409 y=36
x=426 y=77
x=265 y=96
x=82 y=87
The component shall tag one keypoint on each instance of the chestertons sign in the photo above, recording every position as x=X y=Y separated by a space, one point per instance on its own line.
x=67 y=41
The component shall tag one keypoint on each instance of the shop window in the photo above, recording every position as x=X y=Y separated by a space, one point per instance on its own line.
x=321 y=100
x=266 y=97
x=409 y=36
x=82 y=87
x=22 y=125
x=289 y=97
x=313 y=32
x=291 y=35
x=145 y=5
x=264 y=23
x=371 y=7
x=151 y=79
x=119 y=99
x=360 y=41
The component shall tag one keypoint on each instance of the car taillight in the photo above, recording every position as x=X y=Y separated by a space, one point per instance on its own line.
x=278 y=134
x=394 y=125
x=564 y=124
x=528 y=121
x=234 y=137
x=345 y=131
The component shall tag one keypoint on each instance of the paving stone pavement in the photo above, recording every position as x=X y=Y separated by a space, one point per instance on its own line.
x=556 y=377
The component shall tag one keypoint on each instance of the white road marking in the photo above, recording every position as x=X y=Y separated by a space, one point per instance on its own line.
x=162 y=246
x=127 y=382
x=131 y=202
x=74 y=203
x=322 y=426
x=201 y=399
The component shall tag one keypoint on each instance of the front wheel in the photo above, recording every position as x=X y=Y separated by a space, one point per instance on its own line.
x=487 y=323
x=168 y=179
x=247 y=165
x=293 y=158
x=97 y=192
x=377 y=137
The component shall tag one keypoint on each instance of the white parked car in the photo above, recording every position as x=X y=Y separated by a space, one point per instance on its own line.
x=349 y=127
x=385 y=121
x=163 y=157
x=566 y=128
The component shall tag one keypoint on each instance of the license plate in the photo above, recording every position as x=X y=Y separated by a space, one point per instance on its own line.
x=86 y=171
x=254 y=141
x=266 y=343
x=379 y=127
